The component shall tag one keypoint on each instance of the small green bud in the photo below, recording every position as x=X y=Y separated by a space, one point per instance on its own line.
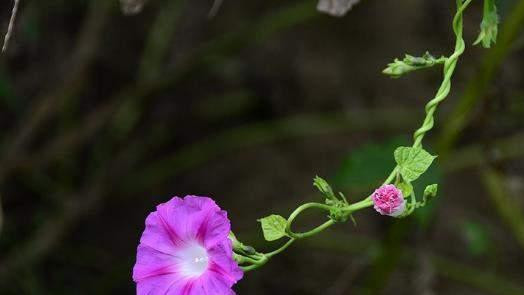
x=324 y=188
x=240 y=247
x=489 y=25
x=411 y=63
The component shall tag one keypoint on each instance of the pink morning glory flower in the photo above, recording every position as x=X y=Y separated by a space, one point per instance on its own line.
x=388 y=200
x=185 y=250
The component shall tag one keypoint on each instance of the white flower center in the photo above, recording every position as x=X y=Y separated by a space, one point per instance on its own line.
x=193 y=260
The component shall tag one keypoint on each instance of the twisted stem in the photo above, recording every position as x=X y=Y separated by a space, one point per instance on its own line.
x=449 y=69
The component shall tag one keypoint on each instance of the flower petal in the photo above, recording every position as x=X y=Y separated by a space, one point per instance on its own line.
x=151 y=262
x=210 y=285
x=223 y=265
x=195 y=218
x=161 y=285
x=159 y=235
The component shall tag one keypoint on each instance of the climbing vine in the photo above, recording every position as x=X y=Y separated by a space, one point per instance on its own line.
x=396 y=197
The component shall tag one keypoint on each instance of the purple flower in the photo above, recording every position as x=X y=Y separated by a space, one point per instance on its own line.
x=185 y=250
x=388 y=200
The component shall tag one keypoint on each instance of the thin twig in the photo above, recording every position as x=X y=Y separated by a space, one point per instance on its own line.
x=48 y=104
x=347 y=277
x=58 y=225
x=159 y=41
x=11 y=25
x=500 y=196
x=490 y=282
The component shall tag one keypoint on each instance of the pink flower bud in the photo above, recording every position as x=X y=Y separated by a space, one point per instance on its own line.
x=388 y=200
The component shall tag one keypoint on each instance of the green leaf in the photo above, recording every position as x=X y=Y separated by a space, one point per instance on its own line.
x=324 y=187
x=412 y=162
x=273 y=227
x=430 y=190
x=406 y=188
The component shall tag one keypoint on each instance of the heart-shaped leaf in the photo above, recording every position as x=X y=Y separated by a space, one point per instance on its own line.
x=412 y=162
x=273 y=227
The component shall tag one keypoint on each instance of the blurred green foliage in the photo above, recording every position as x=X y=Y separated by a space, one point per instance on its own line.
x=477 y=237
x=366 y=166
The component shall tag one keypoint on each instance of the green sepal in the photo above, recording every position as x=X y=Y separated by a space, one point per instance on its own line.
x=324 y=187
x=337 y=213
x=406 y=188
x=239 y=247
x=353 y=220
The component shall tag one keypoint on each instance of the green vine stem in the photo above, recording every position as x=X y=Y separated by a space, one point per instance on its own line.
x=314 y=231
x=449 y=69
x=339 y=209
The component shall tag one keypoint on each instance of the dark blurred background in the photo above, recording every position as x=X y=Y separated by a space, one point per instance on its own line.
x=104 y=116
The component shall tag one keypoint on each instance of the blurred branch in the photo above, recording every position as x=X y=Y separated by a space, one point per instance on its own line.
x=1 y=216
x=159 y=40
x=478 y=86
x=49 y=233
x=268 y=132
x=45 y=238
x=307 y=126
x=475 y=155
x=424 y=274
x=493 y=283
x=253 y=134
x=346 y=278
x=11 y=25
x=391 y=251
x=45 y=106
x=204 y=57
x=155 y=52
x=504 y=205
x=53 y=230
x=470 y=156
x=57 y=225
